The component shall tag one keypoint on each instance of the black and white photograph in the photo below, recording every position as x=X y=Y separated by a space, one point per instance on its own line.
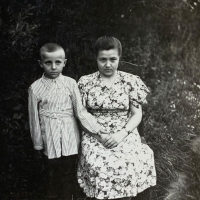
x=100 y=100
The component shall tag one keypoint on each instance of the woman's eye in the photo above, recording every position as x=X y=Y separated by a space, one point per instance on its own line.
x=113 y=59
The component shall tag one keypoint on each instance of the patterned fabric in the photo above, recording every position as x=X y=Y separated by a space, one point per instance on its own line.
x=52 y=106
x=129 y=168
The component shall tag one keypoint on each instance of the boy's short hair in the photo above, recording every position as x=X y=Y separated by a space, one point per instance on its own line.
x=107 y=43
x=50 y=47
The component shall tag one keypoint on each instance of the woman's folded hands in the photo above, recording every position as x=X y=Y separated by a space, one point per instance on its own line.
x=112 y=140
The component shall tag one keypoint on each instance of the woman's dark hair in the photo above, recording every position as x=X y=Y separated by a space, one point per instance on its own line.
x=107 y=43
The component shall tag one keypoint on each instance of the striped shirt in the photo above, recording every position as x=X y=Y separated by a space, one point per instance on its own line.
x=53 y=105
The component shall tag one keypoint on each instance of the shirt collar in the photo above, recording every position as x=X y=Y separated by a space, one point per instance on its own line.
x=52 y=79
x=49 y=81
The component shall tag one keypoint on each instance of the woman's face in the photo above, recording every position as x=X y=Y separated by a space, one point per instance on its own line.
x=108 y=61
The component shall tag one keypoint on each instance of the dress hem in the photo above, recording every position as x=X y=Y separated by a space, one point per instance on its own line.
x=122 y=196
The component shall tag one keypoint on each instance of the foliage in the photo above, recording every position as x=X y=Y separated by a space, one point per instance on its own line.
x=161 y=39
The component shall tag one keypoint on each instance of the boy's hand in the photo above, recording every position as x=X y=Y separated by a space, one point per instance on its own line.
x=38 y=154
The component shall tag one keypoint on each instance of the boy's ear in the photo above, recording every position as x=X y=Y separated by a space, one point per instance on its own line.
x=40 y=63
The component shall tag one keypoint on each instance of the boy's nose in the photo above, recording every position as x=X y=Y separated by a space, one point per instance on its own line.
x=53 y=66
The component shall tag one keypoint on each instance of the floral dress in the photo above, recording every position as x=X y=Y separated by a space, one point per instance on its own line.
x=128 y=169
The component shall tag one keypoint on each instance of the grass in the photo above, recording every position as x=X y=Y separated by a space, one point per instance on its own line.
x=172 y=130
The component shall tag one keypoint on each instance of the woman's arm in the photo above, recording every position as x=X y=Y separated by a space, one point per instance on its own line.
x=135 y=119
x=88 y=121
x=100 y=136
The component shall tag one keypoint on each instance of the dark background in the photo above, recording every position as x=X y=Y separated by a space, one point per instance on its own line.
x=159 y=37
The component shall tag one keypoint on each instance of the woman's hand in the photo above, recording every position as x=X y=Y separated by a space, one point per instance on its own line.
x=101 y=136
x=111 y=141
x=143 y=140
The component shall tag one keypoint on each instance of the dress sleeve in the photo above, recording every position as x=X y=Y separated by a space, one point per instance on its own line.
x=34 y=121
x=138 y=92
x=88 y=121
x=82 y=89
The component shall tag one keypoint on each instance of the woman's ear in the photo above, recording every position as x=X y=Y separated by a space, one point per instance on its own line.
x=65 y=61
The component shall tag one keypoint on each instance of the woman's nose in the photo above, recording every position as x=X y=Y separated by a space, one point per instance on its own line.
x=108 y=64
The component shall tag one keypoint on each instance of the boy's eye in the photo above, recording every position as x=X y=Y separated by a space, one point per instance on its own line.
x=58 y=62
x=48 y=63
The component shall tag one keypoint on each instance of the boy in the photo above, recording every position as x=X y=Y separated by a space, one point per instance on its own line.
x=54 y=99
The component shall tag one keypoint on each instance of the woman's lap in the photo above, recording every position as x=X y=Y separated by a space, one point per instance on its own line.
x=127 y=168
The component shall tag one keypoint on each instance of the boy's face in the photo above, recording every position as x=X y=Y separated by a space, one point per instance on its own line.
x=52 y=63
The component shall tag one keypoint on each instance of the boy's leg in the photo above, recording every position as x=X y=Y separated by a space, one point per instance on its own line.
x=53 y=177
x=68 y=176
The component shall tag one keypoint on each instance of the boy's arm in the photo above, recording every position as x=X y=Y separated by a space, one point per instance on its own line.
x=88 y=121
x=34 y=121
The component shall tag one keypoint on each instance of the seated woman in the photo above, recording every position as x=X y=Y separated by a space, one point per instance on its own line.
x=115 y=165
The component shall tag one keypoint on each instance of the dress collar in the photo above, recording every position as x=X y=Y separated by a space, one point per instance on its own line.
x=99 y=75
x=117 y=79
